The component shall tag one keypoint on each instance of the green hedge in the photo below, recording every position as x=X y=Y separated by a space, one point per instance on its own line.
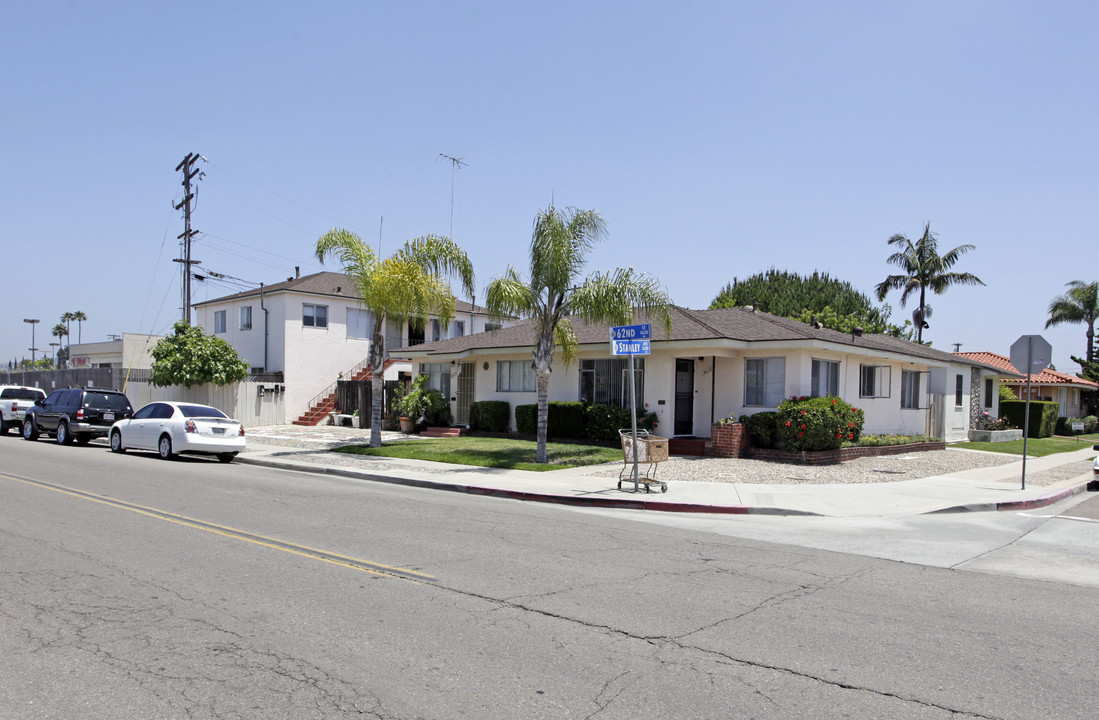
x=490 y=416
x=763 y=428
x=580 y=421
x=1043 y=416
x=1064 y=425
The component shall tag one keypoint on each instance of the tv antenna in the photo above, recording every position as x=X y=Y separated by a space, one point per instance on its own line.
x=456 y=164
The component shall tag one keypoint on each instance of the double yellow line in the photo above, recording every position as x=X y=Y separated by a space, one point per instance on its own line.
x=302 y=550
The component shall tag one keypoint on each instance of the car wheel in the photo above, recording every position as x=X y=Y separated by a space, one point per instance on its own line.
x=226 y=457
x=116 y=442
x=83 y=439
x=63 y=436
x=164 y=447
x=29 y=431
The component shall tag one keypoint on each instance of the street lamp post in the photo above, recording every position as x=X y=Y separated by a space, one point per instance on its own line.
x=53 y=350
x=33 y=349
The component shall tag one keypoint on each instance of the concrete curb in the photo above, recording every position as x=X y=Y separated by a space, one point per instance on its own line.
x=1010 y=505
x=635 y=503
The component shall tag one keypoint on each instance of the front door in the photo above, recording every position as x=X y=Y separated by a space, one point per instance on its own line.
x=465 y=392
x=684 y=396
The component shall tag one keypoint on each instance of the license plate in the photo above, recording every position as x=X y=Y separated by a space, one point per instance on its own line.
x=108 y=416
x=219 y=431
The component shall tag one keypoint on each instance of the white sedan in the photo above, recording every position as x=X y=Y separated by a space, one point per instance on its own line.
x=172 y=428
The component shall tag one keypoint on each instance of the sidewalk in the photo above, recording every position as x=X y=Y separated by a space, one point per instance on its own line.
x=994 y=488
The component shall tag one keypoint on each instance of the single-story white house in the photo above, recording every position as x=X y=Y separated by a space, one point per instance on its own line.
x=728 y=362
x=314 y=330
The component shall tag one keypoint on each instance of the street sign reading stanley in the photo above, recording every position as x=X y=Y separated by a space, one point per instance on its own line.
x=630 y=340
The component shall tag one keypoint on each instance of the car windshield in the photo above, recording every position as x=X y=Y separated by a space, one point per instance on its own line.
x=106 y=401
x=21 y=394
x=200 y=411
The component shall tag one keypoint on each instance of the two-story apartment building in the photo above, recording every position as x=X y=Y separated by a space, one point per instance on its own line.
x=314 y=329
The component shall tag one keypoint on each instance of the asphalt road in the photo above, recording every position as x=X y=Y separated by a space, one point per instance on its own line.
x=133 y=587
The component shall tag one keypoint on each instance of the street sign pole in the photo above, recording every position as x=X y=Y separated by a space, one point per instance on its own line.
x=1032 y=351
x=633 y=422
x=1026 y=416
x=631 y=340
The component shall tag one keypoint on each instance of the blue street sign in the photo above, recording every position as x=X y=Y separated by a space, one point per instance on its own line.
x=630 y=332
x=629 y=347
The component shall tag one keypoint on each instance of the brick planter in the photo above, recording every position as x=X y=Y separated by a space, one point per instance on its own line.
x=732 y=441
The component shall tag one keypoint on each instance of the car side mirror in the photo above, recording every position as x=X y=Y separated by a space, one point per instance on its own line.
x=40 y=402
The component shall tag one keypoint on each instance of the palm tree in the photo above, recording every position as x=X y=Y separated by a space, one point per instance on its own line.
x=558 y=253
x=67 y=318
x=79 y=317
x=60 y=331
x=924 y=269
x=411 y=284
x=1079 y=305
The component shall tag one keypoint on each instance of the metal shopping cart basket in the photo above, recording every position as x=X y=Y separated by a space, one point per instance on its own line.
x=649 y=450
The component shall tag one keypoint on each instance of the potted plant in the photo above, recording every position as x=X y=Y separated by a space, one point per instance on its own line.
x=410 y=402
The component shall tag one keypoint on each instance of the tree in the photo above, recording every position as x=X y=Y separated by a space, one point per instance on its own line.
x=67 y=318
x=410 y=284
x=1079 y=305
x=79 y=317
x=190 y=357
x=836 y=304
x=558 y=253
x=924 y=269
x=59 y=331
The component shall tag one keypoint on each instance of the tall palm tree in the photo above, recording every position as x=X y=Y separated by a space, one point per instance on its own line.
x=410 y=284
x=67 y=318
x=923 y=269
x=60 y=331
x=1080 y=304
x=555 y=291
x=79 y=317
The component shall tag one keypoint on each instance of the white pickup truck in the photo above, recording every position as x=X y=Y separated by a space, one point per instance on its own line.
x=14 y=401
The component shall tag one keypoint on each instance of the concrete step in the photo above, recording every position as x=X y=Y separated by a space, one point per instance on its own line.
x=441 y=432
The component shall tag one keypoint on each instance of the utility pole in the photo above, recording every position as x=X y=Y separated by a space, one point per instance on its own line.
x=189 y=172
x=457 y=164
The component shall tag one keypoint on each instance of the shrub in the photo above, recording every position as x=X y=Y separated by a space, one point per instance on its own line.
x=806 y=423
x=1043 y=416
x=1064 y=425
x=885 y=440
x=437 y=409
x=490 y=415
x=1091 y=424
x=577 y=420
x=763 y=428
x=1007 y=393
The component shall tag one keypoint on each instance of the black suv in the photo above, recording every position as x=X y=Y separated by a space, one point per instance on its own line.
x=76 y=414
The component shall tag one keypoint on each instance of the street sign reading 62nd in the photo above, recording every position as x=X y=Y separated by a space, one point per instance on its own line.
x=630 y=340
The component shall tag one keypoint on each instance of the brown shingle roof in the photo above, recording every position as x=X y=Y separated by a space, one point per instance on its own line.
x=740 y=324
x=327 y=284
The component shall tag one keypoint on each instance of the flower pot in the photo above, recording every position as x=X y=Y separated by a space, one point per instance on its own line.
x=407 y=426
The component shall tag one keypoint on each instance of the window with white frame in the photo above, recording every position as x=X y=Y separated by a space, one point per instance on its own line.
x=490 y=326
x=959 y=390
x=360 y=323
x=764 y=381
x=246 y=317
x=1075 y=397
x=910 y=389
x=457 y=328
x=826 y=378
x=875 y=381
x=438 y=377
x=608 y=381
x=219 y=321
x=515 y=376
x=990 y=388
x=314 y=315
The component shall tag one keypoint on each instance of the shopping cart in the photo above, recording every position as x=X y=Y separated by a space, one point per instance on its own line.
x=649 y=450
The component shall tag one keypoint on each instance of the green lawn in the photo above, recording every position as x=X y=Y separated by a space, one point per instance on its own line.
x=1036 y=447
x=491 y=452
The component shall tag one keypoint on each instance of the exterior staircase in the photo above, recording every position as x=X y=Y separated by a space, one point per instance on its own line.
x=325 y=403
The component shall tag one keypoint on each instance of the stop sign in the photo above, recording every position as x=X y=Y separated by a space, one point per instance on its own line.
x=1031 y=354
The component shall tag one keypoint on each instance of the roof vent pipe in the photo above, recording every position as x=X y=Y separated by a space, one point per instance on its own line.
x=297 y=271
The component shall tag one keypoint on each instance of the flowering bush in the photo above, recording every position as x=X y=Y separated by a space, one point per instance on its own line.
x=987 y=422
x=806 y=423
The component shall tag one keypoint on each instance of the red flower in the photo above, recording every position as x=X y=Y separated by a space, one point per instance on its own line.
x=787 y=423
x=802 y=412
x=803 y=426
x=839 y=435
x=851 y=436
x=833 y=401
x=800 y=434
x=851 y=425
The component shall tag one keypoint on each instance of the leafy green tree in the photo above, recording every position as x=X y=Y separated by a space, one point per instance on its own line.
x=59 y=331
x=555 y=291
x=1079 y=305
x=410 y=284
x=923 y=269
x=190 y=357
x=836 y=304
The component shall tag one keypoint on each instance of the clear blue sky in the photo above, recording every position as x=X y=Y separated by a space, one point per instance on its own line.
x=718 y=139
